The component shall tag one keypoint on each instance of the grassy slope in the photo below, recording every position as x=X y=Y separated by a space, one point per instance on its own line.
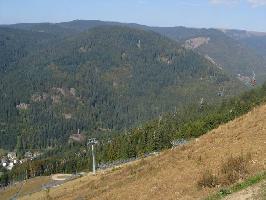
x=174 y=173
x=30 y=186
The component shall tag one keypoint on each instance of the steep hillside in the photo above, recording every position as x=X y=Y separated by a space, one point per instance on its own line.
x=258 y=43
x=255 y=40
x=108 y=78
x=18 y=44
x=232 y=55
x=176 y=173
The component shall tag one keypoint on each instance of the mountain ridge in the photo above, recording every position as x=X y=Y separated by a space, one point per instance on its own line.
x=237 y=57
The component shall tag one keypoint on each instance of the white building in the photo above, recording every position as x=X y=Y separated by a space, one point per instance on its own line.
x=28 y=155
x=10 y=166
x=4 y=164
x=12 y=155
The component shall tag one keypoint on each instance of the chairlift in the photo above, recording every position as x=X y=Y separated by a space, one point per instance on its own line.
x=201 y=103
x=92 y=141
x=139 y=44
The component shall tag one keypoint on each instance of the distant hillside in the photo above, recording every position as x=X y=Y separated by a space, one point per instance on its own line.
x=232 y=55
x=17 y=44
x=71 y=27
x=108 y=78
x=223 y=47
x=48 y=28
x=255 y=40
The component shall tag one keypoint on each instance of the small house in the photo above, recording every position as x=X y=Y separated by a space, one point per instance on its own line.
x=12 y=156
x=28 y=155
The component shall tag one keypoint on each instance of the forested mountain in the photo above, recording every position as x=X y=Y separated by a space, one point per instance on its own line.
x=229 y=49
x=232 y=55
x=72 y=27
x=17 y=44
x=48 y=28
x=255 y=40
x=106 y=79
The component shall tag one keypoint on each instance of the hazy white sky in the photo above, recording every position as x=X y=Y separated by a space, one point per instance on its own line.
x=239 y=14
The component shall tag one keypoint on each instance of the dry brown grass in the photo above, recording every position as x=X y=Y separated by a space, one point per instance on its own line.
x=30 y=186
x=174 y=174
x=232 y=170
x=235 y=169
x=208 y=179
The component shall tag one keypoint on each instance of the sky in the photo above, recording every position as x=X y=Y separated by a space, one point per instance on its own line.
x=229 y=14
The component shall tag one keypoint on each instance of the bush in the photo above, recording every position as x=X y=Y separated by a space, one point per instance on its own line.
x=208 y=179
x=234 y=169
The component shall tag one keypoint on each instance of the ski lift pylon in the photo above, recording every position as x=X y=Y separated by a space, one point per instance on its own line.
x=253 y=81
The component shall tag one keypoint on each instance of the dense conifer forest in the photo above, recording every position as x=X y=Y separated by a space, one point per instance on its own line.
x=107 y=78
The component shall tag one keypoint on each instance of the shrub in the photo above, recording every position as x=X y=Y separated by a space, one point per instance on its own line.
x=234 y=169
x=208 y=179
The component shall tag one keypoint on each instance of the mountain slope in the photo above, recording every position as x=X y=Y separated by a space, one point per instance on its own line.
x=71 y=27
x=254 y=40
x=174 y=174
x=48 y=28
x=232 y=55
x=236 y=57
x=17 y=44
x=106 y=78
